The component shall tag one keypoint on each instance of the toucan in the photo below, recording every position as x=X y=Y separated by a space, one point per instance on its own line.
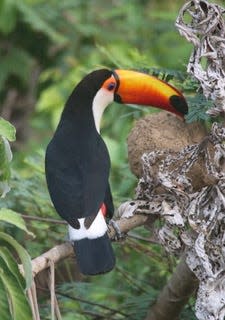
x=77 y=161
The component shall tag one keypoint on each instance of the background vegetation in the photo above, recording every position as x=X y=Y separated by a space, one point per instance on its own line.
x=46 y=47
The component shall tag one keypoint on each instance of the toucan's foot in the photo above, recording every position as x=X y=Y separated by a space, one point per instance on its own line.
x=119 y=236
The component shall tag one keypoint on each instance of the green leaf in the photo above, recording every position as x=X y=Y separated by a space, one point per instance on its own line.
x=5 y=158
x=10 y=216
x=7 y=130
x=12 y=266
x=4 y=306
x=18 y=62
x=8 y=16
x=19 y=305
x=37 y=23
x=23 y=255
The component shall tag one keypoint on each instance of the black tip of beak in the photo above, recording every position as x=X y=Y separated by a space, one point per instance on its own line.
x=179 y=103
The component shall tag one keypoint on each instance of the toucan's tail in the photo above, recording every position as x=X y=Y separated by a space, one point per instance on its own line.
x=94 y=256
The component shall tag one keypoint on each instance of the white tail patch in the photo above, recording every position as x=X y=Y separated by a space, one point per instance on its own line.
x=97 y=229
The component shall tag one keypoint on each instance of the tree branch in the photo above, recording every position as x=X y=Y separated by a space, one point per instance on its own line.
x=65 y=250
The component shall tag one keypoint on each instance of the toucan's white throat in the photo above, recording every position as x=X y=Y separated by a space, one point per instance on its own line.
x=101 y=100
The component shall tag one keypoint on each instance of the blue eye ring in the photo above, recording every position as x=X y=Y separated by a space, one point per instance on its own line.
x=111 y=86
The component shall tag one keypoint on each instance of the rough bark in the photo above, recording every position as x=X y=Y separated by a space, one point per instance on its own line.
x=175 y=294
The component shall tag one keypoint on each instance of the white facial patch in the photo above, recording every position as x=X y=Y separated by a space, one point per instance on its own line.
x=97 y=229
x=101 y=100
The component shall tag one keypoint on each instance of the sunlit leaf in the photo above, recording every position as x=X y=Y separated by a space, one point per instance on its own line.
x=5 y=158
x=38 y=23
x=23 y=255
x=19 y=306
x=12 y=266
x=12 y=217
x=7 y=16
x=4 y=306
x=7 y=130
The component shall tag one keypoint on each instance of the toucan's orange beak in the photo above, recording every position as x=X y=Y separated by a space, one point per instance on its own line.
x=140 y=88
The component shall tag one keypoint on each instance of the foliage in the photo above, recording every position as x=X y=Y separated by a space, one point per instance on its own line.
x=7 y=132
x=12 y=284
x=64 y=40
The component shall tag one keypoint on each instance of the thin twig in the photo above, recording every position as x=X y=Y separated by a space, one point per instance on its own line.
x=51 y=283
x=137 y=237
x=131 y=280
x=140 y=248
x=86 y=301
x=57 y=310
x=55 y=221
x=96 y=316
x=32 y=296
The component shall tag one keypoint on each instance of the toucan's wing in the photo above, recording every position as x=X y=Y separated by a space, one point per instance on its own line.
x=77 y=183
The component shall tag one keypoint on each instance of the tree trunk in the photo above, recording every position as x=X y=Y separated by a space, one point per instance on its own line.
x=175 y=294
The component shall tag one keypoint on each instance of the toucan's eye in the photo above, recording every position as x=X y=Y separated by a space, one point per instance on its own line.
x=111 y=86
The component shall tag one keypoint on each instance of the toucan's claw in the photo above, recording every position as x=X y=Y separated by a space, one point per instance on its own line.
x=119 y=236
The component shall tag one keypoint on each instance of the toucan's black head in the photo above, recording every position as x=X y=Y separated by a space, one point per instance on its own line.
x=82 y=98
x=93 y=82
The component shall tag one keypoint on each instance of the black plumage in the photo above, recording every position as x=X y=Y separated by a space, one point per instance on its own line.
x=78 y=165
